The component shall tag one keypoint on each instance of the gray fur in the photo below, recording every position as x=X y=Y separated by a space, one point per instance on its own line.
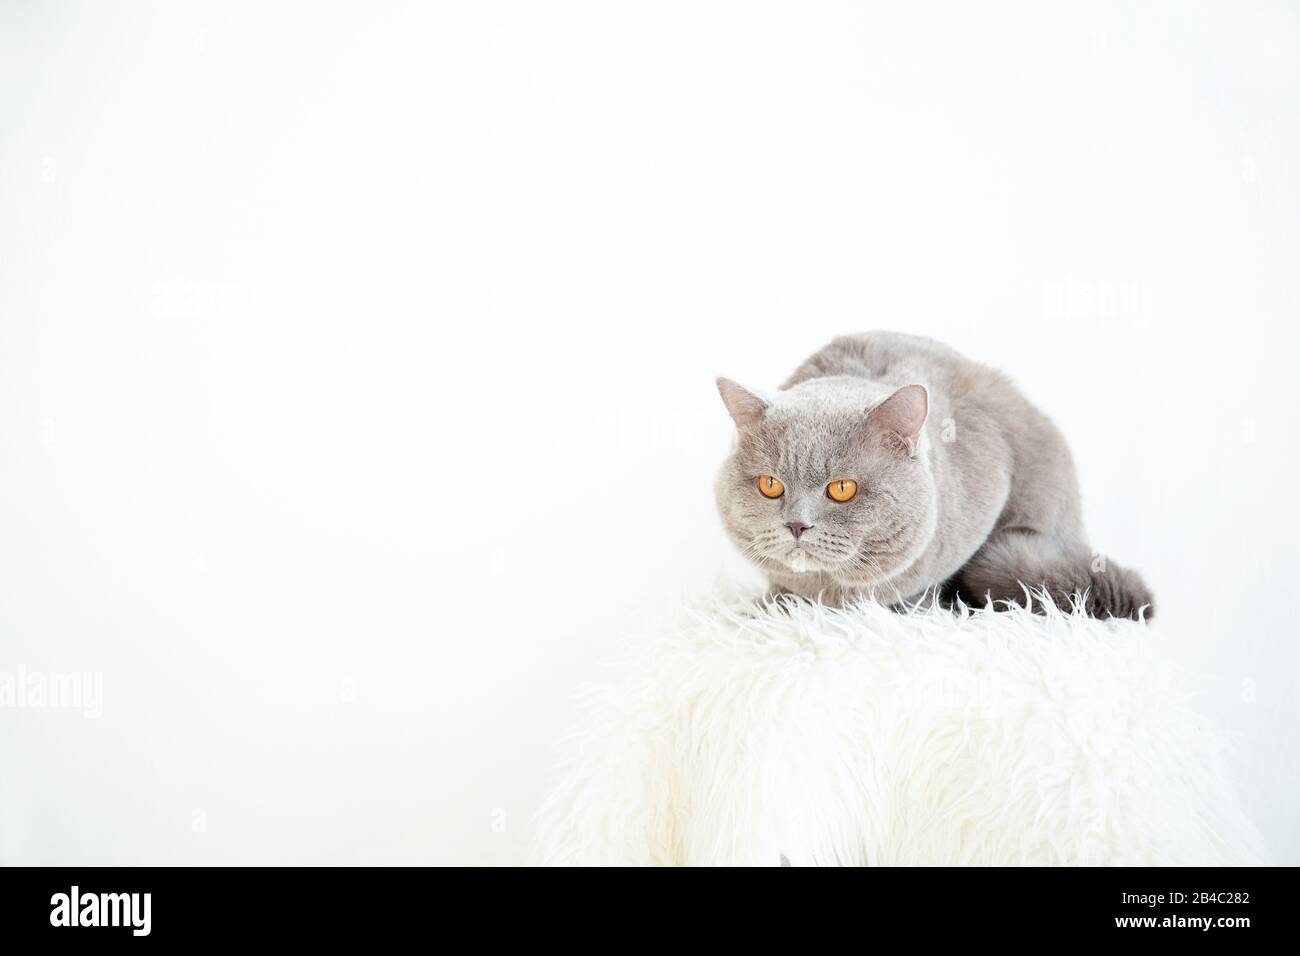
x=964 y=486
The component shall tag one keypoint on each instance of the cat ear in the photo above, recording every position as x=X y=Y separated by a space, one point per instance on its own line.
x=902 y=415
x=745 y=407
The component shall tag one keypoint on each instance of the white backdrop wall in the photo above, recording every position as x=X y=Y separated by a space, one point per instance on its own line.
x=356 y=366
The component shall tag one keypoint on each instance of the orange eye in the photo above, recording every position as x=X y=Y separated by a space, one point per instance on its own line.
x=770 y=487
x=842 y=489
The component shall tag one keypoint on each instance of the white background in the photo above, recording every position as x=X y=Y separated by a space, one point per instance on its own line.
x=356 y=365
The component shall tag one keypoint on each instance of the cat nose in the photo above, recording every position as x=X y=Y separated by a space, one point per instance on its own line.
x=797 y=528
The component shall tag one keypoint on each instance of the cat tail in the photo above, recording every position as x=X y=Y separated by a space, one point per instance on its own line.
x=1012 y=561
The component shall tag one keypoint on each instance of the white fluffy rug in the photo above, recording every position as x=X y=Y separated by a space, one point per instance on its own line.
x=762 y=735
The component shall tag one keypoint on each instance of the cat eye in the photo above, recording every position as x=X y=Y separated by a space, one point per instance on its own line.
x=842 y=489
x=770 y=487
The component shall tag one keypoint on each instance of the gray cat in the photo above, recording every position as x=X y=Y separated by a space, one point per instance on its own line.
x=889 y=465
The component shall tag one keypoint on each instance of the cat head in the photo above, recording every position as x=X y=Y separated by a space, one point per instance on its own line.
x=828 y=477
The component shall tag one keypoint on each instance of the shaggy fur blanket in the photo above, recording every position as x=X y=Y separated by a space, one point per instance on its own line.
x=800 y=734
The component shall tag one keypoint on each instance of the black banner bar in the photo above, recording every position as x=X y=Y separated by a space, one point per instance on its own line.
x=232 y=905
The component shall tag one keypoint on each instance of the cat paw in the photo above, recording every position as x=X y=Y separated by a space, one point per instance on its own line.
x=1118 y=592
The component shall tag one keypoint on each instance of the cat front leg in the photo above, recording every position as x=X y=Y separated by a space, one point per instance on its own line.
x=815 y=588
